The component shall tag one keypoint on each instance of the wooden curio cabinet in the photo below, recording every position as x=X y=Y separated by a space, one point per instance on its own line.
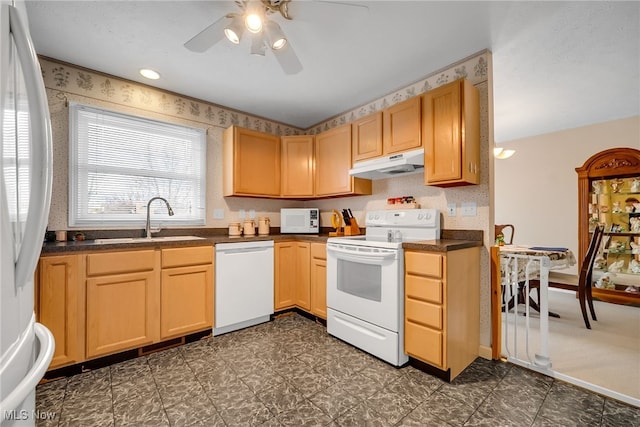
x=609 y=194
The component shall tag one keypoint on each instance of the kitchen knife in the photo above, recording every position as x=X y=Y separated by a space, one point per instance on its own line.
x=350 y=213
x=346 y=217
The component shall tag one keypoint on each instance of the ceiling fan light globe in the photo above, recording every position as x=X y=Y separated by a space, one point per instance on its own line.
x=233 y=31
x=253 y=22
x=279 y=43
x=232 y=36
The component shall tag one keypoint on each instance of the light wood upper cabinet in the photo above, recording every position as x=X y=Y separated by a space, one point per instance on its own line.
x=333 y=161
x=442 y=308
x=451 y=132
x=186 y=301
x=367 y=137
x=297 y=166
x=319 y=279
x=60 y=306
x=402 y=127
x=251 y=163
x=123 y=301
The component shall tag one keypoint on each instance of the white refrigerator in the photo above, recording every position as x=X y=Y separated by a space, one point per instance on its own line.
x=26 y=347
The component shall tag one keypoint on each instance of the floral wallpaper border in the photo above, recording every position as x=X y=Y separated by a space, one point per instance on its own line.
x=474 y=69
x=79 y=81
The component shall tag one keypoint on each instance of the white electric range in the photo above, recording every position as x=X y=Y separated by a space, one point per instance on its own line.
x=365 y=280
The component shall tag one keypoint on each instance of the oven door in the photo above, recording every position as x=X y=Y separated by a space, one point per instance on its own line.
x=366 y=283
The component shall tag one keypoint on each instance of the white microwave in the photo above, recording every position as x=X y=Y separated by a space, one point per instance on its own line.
x=300 y=220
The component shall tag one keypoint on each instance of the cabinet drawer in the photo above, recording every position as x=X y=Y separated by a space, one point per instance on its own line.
x=423 y=288
x=423 y=264
x=120 y=262
x=424 y=313
x=184 y=257
x=423 y=343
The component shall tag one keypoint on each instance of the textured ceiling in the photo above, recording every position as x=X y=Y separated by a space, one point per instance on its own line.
x=557 y=65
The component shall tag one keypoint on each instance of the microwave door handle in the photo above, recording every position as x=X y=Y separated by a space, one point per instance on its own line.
x=370 y=257
x=41 y=153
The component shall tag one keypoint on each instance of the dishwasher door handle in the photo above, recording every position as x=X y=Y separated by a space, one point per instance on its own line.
x=242 y=251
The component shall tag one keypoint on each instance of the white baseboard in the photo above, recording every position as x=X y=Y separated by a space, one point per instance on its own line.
x=485 y=352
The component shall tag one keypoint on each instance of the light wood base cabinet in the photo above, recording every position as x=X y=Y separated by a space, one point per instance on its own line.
x=442 y=308
x=123 y=301
x=186 y=302
x=60 y=306
x=319 y=280
x=292 y=280
x=451 y=135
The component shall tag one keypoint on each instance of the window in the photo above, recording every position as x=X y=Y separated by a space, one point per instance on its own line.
x=117 y=163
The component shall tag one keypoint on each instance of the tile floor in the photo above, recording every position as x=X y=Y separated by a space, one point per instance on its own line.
x=290 y=372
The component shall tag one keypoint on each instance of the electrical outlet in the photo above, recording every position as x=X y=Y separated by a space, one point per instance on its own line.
x=241 y=214
x=469 y=209
x=451 y=209
x=252 y=213
x=218 y=214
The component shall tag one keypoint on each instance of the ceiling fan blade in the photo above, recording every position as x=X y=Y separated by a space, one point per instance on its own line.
x=288 y=59
x=208 y=37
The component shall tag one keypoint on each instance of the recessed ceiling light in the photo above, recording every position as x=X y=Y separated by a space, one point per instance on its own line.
x=149 y=73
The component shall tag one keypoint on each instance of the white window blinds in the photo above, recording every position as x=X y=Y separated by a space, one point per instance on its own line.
x=117 y=163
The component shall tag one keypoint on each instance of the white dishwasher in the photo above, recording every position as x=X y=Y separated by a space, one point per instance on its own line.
x=243 y=286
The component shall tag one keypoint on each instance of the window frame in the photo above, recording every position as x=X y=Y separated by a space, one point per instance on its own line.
x=77 y=197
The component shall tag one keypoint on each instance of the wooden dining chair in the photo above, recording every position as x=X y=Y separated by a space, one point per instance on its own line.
x=585 y=280
x=500 y=229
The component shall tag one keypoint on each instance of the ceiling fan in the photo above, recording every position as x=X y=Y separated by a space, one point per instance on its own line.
x=255 y=18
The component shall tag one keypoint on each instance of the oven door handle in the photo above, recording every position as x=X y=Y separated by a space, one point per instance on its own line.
x=360 y=256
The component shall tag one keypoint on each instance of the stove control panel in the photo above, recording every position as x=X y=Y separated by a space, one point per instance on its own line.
x=404 y=218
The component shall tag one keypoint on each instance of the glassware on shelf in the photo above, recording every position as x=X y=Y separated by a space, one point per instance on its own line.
x=635 y=185
x=597 y=186
x=616 y=184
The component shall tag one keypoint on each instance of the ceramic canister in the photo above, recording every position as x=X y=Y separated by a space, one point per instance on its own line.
x=249 y=228
x=235 y=229
x=264 y=224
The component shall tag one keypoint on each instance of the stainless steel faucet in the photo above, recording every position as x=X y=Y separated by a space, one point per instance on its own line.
x=148 y=226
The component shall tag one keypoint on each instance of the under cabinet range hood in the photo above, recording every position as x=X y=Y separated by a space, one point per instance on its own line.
x=389 y=166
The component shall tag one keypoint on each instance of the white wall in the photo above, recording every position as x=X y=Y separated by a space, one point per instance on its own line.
x=536 y=190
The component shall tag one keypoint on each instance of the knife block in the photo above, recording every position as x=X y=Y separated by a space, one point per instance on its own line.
x=353 y=229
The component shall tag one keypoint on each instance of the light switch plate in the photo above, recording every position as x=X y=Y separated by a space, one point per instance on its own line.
x=469 y=209
x=218 y=214
x=241 y=214
x=451 y=209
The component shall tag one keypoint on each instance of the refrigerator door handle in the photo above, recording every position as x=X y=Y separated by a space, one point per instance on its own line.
x=31 y=379
x=41 y=153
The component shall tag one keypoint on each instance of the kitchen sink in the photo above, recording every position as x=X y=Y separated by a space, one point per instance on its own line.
x=145 y=239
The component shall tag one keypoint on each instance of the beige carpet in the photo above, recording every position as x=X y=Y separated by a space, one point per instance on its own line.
x=607 y=356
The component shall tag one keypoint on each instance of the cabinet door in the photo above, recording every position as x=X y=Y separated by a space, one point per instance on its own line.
x=251 y=162
x=284 y=292
x=401 y=125
x=61 y=306
x=451 y=132
x=186 y=300
x=302 y=272
x=333 y=161
x=367 y=137
x=297 y=166
x=319 y=279
x=123 y=312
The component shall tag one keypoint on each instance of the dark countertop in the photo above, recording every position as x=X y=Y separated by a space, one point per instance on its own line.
x=452 y=240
